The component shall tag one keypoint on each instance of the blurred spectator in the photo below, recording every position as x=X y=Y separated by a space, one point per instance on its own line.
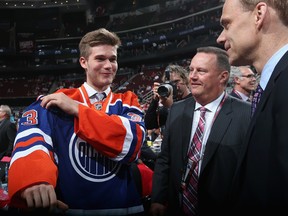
x=244 y=82
x=7 y=136
x=175 y=87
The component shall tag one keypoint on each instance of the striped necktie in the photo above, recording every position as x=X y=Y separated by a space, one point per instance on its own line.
x=190 y=199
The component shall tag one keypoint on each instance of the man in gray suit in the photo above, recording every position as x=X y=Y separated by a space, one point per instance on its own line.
x=226 y=122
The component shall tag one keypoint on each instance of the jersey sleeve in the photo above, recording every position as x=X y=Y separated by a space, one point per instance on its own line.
x=32 y=159
x=118 y=135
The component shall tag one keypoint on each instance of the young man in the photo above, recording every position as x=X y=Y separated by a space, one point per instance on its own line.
x=213 y=164
x=255 y=33
x=74 y=147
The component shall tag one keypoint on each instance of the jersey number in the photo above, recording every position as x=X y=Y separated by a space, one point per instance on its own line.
x=31 y=117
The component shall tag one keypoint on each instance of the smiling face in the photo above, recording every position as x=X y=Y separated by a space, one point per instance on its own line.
x=100 y=66
x=247 y=81
x=239 y=34
x=207 y=81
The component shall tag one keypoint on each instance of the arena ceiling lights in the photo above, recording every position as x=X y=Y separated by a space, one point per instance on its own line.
x=39 y=3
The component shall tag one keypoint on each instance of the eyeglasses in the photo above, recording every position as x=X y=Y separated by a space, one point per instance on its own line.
x=249 y=76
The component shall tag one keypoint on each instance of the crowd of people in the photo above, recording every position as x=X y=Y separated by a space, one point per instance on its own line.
x=80 y=151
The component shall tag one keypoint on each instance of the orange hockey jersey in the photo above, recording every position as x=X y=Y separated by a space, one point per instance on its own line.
x=86 y=158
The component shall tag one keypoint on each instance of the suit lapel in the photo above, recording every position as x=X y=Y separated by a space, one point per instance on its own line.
x=2 y=123
x=217 y=132
x=187 y=125
x=281 y=65
x=270 y=85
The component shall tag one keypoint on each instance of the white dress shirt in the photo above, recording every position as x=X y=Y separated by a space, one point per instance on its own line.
x=212 y=109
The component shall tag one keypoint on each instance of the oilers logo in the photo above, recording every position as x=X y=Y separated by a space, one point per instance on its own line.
x=88 y=163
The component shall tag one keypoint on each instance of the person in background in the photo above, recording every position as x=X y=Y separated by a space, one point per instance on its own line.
x=179 y=77
x=176 y=79
x=74 y=148
x=7 y=136
x=261 y=178
x=244 y=82
x=213 y=165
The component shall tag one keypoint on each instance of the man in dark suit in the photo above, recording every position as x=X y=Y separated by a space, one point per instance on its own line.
x=244 y=82
x=7 y=136
x=226 y=121
x=261 y=181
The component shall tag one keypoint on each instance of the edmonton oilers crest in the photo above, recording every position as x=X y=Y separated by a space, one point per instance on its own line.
x=88 y=163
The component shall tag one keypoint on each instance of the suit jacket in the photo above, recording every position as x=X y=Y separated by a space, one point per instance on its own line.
x=261 y=182
x=219 y=161
x=7 y=137
x=235 y=95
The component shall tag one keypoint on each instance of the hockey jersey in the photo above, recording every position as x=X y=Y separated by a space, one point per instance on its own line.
x=87 y=159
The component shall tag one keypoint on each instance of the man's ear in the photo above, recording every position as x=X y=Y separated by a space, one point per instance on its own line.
x=260 y=11
x=236 y=80
x=83 y=62
x=224 y=76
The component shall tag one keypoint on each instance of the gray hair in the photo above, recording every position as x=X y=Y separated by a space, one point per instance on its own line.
x=236 y=72
x=7 y=110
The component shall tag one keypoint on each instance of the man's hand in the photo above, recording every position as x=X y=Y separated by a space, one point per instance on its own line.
x=43 y=196
x=155 y=90
x=62 y=101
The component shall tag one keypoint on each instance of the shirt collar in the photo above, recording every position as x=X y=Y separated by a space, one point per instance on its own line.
x=270 y=66
x=243 y=96
x=212 y=106
x=91 y=91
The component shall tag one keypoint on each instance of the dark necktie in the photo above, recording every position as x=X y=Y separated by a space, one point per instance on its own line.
x=190 y=199
x=256 y=99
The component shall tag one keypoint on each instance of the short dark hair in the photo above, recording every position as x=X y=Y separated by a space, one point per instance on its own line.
x=221 y=55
